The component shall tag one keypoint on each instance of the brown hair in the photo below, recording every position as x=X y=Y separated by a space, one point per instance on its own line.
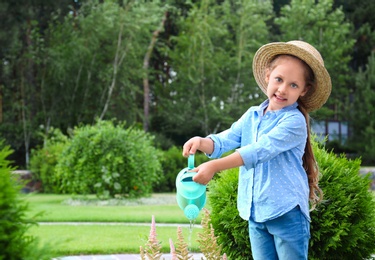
x=308 y=159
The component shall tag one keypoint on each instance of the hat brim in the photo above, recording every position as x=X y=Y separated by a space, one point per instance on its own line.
x=315 y=98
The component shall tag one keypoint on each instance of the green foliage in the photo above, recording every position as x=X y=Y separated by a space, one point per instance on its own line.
x=342 y=226
x=363 y=121
x=43 y=161
x=79 y=58
x=64 y=62
x=97 y=57
x=361 y=15
x=212 y=56
x=172 y=163
x=161 y=141
x=108 y=160
x=14 y=242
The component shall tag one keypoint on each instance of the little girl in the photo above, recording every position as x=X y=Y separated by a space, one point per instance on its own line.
x=278 y=172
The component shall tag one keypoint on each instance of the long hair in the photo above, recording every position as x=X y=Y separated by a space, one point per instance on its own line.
x=308 y=158
x=309 y=163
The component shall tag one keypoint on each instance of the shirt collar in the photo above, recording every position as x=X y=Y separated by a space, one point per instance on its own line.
x=265 y=103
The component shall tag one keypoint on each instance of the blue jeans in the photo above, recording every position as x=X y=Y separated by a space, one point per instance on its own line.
x=285 y=238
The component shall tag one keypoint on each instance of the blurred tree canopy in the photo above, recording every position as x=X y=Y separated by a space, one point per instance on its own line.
x=65 y=63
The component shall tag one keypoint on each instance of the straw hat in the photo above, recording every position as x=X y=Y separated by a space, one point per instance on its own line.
x=314 y=98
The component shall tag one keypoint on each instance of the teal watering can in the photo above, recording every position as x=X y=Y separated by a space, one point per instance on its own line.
x=191 y=196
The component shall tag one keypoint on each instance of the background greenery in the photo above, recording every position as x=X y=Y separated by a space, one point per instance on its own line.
x=173 y=68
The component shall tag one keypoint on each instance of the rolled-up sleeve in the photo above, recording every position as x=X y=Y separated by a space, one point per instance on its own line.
x=227 y=140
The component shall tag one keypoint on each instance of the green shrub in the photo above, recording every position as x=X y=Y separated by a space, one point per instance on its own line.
x=108 y=160
x=14 y=242
x=343 y=226
x=44 y=160
x=172 y=163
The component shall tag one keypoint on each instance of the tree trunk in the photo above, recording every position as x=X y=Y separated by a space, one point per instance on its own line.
x=116 y=64
x=146 y=85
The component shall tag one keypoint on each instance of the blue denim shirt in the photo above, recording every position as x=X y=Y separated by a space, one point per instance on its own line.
x=272 y=180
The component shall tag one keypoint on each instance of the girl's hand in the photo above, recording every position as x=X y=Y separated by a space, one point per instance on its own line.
x=205 y=172
x=191 y=146
x=205 y=145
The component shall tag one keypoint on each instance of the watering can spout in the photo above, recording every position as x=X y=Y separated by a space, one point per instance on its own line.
x=191 y=196
x=191 y=211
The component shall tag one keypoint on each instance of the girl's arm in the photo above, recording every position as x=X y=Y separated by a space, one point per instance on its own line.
x=233 y=160
x=207 y=170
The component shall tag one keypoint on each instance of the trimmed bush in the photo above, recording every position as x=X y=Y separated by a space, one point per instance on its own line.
x=343 y=226
x=108 y=161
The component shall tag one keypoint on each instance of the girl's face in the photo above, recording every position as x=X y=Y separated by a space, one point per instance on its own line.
x=286 y=82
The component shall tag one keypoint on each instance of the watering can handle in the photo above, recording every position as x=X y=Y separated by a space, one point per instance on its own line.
x=191 y=161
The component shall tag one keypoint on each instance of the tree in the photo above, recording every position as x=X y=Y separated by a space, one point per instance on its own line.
x=77 y=68
x=66 y=63
x=24 y=24
x=210 y=78
x=146 y=62
x=363 y=111
x=360 y=13
x=101 y=72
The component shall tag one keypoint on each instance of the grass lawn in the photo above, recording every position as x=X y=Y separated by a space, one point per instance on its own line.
x=107 y=238
x=68 y=240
